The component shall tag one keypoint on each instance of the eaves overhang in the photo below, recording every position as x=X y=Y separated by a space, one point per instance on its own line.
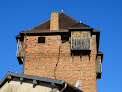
x=80 y=28
x=37 y=78
x=100 y=54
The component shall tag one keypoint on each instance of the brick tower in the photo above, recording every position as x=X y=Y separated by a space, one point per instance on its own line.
x=62 y=48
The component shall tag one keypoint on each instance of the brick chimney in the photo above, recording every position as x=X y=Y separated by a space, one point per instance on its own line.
x=54 y=22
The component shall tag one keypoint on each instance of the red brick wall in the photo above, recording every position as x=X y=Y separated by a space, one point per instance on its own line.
x=41 y=60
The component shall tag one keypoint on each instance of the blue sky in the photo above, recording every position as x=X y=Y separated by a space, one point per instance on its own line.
x=104 y=15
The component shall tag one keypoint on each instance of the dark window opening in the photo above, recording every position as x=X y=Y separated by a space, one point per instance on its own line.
x=87 y=52
x=41 y=40
x=64 y=38
x=75 y=52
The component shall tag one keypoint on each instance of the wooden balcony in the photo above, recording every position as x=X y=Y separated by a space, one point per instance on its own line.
x=98 y=66
x=19 y=53
x=80 y=40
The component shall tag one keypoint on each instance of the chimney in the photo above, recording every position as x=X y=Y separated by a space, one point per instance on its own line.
x=54 y=21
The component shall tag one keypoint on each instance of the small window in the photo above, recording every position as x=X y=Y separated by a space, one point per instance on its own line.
x=41 y=40
x=64 y=38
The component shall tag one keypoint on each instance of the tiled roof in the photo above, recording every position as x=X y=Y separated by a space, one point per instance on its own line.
x=65 y=22
x=10 y=75
x=80 y=25
x=44 y=25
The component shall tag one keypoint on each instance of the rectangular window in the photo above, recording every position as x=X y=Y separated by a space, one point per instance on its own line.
x=41 y=40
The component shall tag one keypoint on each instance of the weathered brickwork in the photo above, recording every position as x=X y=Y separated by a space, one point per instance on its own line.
x=53 y=59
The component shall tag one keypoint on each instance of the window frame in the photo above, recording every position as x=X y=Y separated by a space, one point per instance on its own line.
x=41 y=38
